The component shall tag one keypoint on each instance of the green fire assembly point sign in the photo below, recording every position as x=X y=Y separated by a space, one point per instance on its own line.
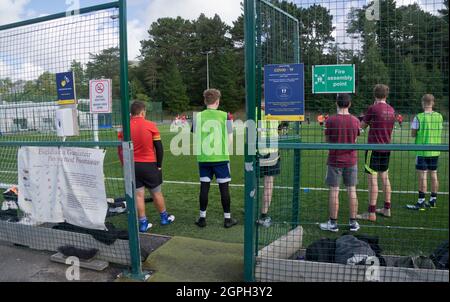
x=333 y=79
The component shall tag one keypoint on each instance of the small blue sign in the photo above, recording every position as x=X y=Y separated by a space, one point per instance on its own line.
x=105 y=121
x=65 y=86
x=284 y=92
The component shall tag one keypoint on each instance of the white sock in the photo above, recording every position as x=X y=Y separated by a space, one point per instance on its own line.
x=421 y=200
x=227 y=215
x=202 y=214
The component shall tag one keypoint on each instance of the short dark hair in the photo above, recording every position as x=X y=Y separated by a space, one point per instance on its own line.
x=381 y=91
x=137 y=107
x=343 y=100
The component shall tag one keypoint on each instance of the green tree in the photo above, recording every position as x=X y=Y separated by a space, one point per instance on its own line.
x=46 y=85
x=173 y=90
x=81 y=80
x=224 y=78
x=106 y=65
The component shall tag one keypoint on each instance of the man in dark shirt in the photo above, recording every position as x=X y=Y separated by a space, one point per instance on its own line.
x=342 y=128
x=380 y=117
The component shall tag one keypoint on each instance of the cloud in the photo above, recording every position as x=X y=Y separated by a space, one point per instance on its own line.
x=429 y=6
x=12 y=10
x=136 y=33
x=228 y=10
x=27 y=52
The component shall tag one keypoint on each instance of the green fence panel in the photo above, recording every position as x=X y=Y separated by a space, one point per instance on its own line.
x=91 y=42
x=404 y=46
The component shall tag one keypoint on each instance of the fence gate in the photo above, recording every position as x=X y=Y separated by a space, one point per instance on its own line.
x=402 y=44
x=92 y=43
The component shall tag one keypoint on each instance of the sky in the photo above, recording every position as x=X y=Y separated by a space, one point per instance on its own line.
x=141 y=13
x=32 y=57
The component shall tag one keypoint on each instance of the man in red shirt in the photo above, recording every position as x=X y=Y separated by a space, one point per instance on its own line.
x=342 y=128
x=380 y=117
x=148 y=157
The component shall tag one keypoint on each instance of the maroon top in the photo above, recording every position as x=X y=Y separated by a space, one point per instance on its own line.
x=381 y=119
x=342 y=129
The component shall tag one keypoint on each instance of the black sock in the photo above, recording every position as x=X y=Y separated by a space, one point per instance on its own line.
x=333 y=221
x=433 y=195
x=225 y=197
x=421 y=195
x=204 y=192
x=263 y=216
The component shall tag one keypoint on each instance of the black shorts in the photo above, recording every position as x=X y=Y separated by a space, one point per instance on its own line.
x=377 y=162
x=427 y=163
x=273 y=170
x=147 y=175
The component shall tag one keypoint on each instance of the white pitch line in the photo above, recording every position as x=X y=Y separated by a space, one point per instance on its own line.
x=275 y=187
x=188 y=183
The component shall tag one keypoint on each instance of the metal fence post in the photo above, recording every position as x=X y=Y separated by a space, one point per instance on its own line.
x=133 y=231
x=250 y=160
x=297 y=153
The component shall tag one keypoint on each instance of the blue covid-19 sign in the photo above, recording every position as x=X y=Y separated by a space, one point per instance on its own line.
x=65 y=86
x=284 y=92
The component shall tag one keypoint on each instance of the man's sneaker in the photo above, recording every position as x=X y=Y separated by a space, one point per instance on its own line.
x=13 y=205
x=167 y=219
x=201 y=222
x=144 y=226
x=229 y=222
x=354 y=226
x=416 y=207
x=329 y=226
x=265 y=222
x=384 y=212
x=431 y=204
x=367 y=216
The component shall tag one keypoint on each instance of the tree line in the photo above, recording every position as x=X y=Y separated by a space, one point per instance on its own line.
x=407 y=48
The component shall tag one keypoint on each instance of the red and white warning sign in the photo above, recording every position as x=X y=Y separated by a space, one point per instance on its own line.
x=100 y=92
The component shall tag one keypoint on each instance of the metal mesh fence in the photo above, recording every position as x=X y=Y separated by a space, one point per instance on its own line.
x=403 y=44
x=31 y=54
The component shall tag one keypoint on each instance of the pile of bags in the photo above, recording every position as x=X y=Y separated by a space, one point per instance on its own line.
x=361 y=250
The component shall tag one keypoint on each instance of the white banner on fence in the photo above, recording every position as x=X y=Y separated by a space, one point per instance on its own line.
x=63 y=184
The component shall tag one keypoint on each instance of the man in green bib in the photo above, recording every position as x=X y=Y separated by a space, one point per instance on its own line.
x=427 y=129
x=213 y=130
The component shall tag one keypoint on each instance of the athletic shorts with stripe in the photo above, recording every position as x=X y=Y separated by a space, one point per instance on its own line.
x=221 y=170
x=377 y=162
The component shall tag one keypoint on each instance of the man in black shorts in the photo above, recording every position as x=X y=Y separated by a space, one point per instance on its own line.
x=269 y=162
x=148 y=157
x=380 y=117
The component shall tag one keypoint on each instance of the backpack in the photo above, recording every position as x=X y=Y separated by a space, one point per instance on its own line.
x=373 y=241
x=440 y=256
x=322 y=250
x=417 y=262
x=350 y=250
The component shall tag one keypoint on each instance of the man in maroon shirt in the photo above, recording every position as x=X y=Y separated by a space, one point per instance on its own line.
x=342 y=128
x=380 y=117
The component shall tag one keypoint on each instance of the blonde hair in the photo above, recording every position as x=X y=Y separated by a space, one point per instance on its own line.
x=428 y=100
x=211 y=96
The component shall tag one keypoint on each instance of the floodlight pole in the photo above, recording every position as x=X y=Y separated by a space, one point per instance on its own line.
x=207 y=53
